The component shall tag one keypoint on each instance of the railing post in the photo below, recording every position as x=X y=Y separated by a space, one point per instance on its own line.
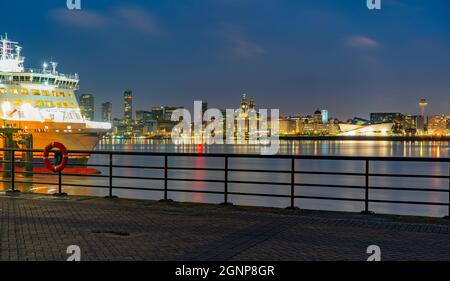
x=225 y=193
x=165 y=177
x=366 y=190
x=59 y=182
x=292 y=196
x=110 y=174
x=60 y=193
x=448 y=211
x=13 y=173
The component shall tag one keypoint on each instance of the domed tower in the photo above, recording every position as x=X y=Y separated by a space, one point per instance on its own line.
x=318 y=116
x=244 y=104
x=252 y=104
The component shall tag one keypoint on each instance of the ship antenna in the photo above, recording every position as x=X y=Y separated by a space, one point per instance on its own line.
x=54 y=65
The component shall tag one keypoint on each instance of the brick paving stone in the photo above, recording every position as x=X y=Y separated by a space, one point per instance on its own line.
x=41 y=228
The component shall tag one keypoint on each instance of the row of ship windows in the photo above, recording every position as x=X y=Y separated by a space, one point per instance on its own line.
x=16 y=91
x=38 y=79
x=43 y=103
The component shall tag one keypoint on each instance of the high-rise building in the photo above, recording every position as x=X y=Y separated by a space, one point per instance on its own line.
x=423 y=105
x=107 y=112
x=324 y=116
x=204 y=107
x=86 y=102
x=128 y=106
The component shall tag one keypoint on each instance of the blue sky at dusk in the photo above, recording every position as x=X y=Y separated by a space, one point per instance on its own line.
x=296 y=55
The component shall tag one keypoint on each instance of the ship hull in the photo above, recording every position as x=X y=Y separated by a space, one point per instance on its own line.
x=72 y=141
x=78 y=137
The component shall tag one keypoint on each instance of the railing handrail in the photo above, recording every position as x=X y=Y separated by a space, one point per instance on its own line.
x=249 y=155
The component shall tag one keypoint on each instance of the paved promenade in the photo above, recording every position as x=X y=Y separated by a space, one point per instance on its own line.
x=36 y=227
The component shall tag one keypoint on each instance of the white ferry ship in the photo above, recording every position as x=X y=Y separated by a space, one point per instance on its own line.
x=42 y=102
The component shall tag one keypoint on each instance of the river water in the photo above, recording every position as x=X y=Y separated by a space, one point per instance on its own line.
x=303 y=147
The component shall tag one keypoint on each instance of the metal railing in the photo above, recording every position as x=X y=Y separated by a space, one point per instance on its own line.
x=10 y=176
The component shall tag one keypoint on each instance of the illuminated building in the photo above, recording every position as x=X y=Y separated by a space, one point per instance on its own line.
x=86 y=102
x=366 y=130
x=437 y=125
x=157 y=112
x=413 y=124
x=246 y=117
x=287 y=126
x=423 y=105
x=107 y=112
x=142 y=116
x=168 y=111
x=379 y=118
x=318 y=116
x=42 y=103
x=204 y=107
x=314 y=124
x=324 y=116
x=359 y=121
x=128 y=106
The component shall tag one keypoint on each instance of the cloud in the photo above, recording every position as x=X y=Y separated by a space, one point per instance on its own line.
x=128 y=17
x=137 y=19
x=242 y=46
x=247 y=49
x=81 y=19
x=361 y=42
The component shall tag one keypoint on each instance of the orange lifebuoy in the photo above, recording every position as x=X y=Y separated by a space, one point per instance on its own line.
x=65 y=157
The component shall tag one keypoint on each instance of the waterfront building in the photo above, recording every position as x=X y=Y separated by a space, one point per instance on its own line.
x=410 y=124
x=437 y=125
x=86 y=102
x=324 y=116
x=318 y=116
x=168 y=111
x=314 y=124
x=107 y=112
x=157 y=112
x=128 y=106
x=421 y=128
x=423 y=105
x=359 y=121
x=248 y=127
x=142 y=116
x=150 y=128
x=119 y=127
x=287 y=126
x=379 y=118
x=204 y=107
x=383 y=129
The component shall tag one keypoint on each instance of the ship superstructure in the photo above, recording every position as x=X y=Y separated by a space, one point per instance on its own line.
x=42 y=102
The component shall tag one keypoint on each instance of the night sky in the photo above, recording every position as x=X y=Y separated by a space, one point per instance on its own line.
x=295 y=55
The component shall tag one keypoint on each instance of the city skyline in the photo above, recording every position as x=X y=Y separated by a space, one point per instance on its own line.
x=356 y=60
x=126 y=109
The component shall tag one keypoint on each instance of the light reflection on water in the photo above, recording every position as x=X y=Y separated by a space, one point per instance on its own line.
x=345 y=148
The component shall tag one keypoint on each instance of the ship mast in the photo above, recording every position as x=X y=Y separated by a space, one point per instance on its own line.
x=10 y=59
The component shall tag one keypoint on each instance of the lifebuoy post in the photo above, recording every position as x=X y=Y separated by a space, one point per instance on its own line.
x=56 y=167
